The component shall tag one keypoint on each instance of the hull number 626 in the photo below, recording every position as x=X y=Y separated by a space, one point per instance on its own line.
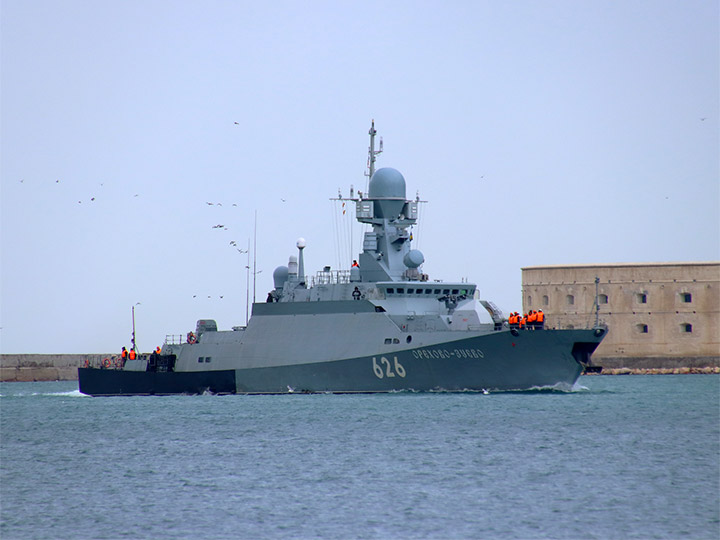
x=385 y=369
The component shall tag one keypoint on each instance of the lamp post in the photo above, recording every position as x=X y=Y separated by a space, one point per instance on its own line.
x=134 y=346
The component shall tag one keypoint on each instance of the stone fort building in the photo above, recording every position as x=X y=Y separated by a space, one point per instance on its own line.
x=658 y=314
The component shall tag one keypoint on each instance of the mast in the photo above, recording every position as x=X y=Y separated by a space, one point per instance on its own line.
x=371 y=151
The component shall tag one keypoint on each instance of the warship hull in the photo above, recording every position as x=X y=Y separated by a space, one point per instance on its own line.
x=501 y=361
x=381 y=326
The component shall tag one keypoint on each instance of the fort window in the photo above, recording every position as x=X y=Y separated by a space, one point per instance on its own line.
x=686 y=297
x=570 y=300
x=686 y=327
x=603 y=299
x=529 y=300
x=641 y=298
x=546 y=300
x=642 y=328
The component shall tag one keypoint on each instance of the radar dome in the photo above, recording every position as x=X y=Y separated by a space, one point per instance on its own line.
x=280 y=276
x=387 y=183
x=414 y=258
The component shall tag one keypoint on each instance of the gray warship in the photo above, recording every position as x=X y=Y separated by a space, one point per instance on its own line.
x=382 y=326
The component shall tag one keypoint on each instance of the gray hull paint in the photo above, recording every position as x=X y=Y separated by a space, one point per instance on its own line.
x=499 y=361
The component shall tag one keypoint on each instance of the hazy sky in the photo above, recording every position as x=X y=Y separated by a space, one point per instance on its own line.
x=540 y=132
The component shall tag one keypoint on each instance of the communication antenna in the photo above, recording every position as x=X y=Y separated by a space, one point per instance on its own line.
x=255 y=257
x=247 y=285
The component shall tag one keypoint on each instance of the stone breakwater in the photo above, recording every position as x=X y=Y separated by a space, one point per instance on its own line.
x=45 y=367
x=63 y=367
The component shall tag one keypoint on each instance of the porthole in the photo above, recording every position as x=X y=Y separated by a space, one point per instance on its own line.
x=409 y=339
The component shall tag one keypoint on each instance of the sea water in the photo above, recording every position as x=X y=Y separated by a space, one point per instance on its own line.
x=617 y=457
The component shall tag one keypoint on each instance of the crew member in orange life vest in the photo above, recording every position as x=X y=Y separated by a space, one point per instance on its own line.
x=123 y=354
x=132 y=354
x=355 y=264
x=540 y=324
x=532 y=319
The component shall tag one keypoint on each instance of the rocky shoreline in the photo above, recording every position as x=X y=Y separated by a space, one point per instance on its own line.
x=657 y=371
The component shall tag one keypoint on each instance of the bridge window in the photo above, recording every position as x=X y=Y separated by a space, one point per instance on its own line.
x=391 y=290
x=410 y=291
x=428 y=291
x=446 y=291
x=401 y=290
x=436 y=291
x=455 y=291
x=418 y=291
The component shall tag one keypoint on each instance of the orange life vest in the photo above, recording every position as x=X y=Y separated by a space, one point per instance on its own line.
x=124 y=353
x=540 y=317
x=532 y=317
x=132 y=354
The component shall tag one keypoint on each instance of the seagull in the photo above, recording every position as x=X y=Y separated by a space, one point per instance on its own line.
x=237 y=123
x=218 y=226
x=233 y=243
x=209 y=203
x=283 y=200
x=92 y=199
x=234 y=204
x=194 y=295
x=218 y=204
x=703 y=119
x=136 y=195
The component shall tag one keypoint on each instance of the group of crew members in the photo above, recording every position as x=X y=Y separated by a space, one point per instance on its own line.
x=532 y=320
x=132 y=354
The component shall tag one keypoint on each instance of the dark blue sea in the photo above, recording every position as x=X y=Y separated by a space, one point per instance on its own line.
x=619 y=457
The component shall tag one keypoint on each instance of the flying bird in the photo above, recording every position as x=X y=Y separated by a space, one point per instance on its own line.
x=209 y=203
x=237 y=123
x=218 y=226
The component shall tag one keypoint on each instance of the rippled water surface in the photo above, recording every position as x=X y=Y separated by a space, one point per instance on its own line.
x=620 y=457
